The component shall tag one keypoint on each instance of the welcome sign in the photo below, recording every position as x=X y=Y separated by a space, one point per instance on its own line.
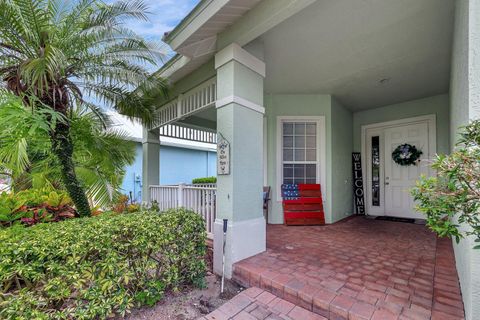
x=223 y=156
x=359 y=200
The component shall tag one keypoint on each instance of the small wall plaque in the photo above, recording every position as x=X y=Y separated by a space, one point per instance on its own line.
x=223 y=156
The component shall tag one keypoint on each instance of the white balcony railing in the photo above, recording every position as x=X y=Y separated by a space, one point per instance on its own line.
x=188 y=103
x=198 y=198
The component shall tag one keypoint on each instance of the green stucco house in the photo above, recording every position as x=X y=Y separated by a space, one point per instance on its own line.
x=296 y=86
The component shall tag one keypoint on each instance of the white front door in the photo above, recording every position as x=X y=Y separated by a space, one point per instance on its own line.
x=400 y=179
x=388 y=184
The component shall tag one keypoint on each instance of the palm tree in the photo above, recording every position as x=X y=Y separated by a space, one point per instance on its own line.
x=56 y=54
x=100 y=153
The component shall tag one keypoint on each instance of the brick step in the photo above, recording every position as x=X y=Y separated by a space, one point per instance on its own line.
x=255 y=303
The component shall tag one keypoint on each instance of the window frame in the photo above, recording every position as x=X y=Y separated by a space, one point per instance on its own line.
x=320 y=151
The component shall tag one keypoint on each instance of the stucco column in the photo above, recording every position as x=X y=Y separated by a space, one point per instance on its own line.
x=150 y=162
x=240 y=121
x=464 y=107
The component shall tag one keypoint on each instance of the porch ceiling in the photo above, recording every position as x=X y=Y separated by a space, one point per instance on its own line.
x=207 y=118
x=347 y=47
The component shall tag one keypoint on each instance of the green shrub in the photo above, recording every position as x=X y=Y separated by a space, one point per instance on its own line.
x=204 y=180
x=90 y=268
x=451 y=198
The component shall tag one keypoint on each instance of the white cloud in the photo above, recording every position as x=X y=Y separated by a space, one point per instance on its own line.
x=164 y=16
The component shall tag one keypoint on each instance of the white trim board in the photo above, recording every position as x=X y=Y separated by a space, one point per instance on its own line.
x=241 y=102
x=179 y=143
x=430 y=119
x=321 y=152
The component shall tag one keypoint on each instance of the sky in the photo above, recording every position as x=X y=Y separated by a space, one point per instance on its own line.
x=164 y=16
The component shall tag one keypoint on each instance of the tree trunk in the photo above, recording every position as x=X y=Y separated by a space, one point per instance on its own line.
x=63 y=149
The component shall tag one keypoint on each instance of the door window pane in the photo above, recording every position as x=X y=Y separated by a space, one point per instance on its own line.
x=376 y=171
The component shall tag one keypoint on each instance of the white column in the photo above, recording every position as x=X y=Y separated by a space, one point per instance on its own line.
x=240 y=121
x=150 y=162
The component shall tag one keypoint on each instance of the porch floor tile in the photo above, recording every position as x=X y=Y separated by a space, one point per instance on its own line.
x=357 y=269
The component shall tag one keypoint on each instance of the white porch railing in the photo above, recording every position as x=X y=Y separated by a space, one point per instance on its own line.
x=199 y=198
x=186 y=133
x=188 y=103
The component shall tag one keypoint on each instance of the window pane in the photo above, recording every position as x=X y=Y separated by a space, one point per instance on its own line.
x=299 y=155
x=288 y=181
x=311 y=142
x=288 y=171
x=299 y=171
x=299 y=128
x=298 y=180
x=311 y=154
x=299 y=142
x=311 y=181
x=311 y=171
x=287 y=154
x=288 y=141
x=287 y=128
x=311 y=128
x=376 y=171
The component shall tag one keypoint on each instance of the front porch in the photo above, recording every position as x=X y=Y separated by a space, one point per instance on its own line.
x=294 y=88
x=358 y=269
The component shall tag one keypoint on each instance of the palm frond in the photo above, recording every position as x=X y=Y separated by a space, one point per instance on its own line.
x=49 y=45
x=63 y=60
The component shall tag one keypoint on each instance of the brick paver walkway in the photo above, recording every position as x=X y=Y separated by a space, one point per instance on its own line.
x=255 y=303
x=358 y=269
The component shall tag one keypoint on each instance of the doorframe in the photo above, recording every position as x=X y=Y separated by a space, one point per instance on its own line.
x=430 y=119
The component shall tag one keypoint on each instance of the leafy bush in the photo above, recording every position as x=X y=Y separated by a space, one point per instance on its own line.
x=90 y=268
x=453 y=196
x=204 y=180
x=35 y=205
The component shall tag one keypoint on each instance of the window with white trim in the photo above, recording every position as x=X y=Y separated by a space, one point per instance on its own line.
x=299 y=151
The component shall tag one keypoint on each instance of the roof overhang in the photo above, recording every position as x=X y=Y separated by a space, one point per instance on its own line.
x=209 y=27
x=205 y=21
x=195 y=37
